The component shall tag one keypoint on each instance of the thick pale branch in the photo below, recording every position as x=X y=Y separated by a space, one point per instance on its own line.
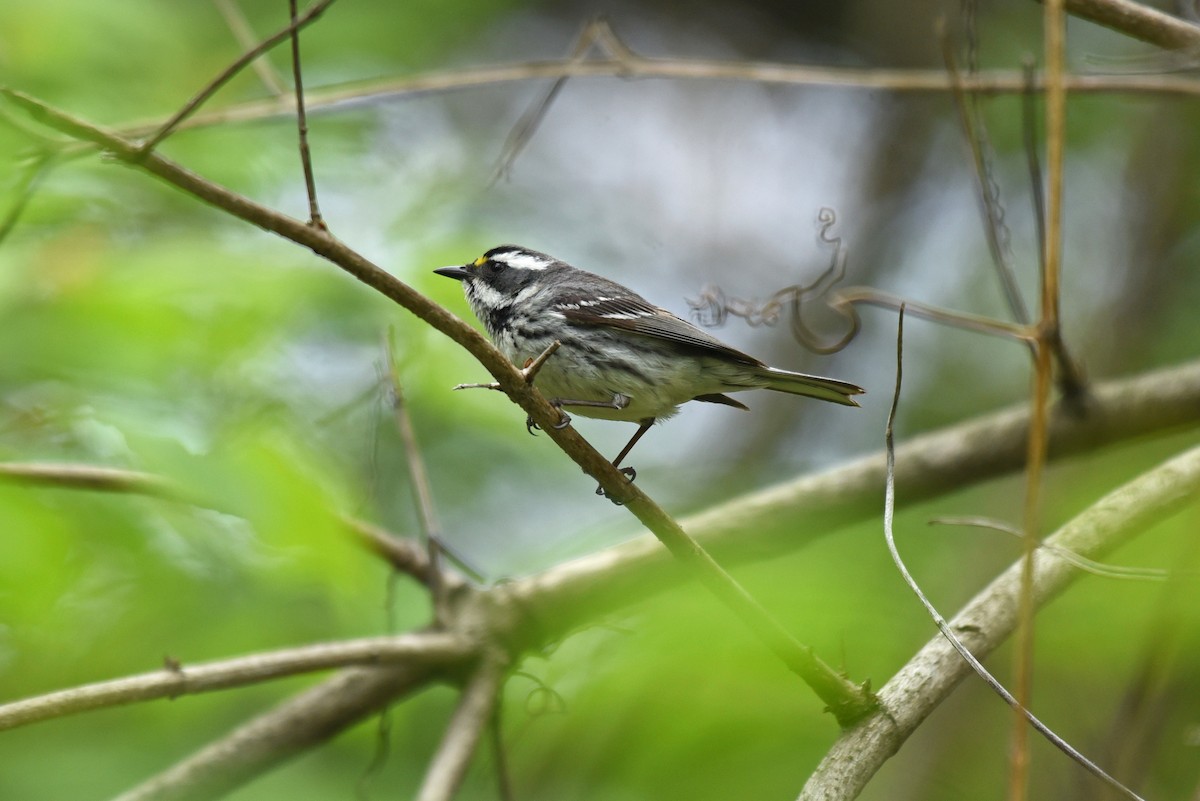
x=784 y=518
x=990 y=618
x=427 y=649
x=760 y=525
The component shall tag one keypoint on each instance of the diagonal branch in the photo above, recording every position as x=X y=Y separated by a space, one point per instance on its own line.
x=844 y=699
x=239 y=26
x=229 y=72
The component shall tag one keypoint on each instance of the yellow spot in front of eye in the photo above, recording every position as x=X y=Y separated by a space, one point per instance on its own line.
x=482 y=260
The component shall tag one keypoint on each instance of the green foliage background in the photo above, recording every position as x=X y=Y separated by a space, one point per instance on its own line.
x=140 y=329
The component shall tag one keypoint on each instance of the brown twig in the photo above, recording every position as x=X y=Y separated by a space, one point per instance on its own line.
x=310 y=184
x=189 y=108
x=595 y=32
x=418 y=478
x=406 y=556
x=246 y=39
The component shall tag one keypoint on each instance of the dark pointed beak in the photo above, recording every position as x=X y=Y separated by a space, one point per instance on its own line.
x=453 y=272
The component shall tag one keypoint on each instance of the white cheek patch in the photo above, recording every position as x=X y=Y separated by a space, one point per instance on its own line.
x=525 y=294
x=480 y=294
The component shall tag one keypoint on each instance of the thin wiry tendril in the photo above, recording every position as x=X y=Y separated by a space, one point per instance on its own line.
x=713 y=307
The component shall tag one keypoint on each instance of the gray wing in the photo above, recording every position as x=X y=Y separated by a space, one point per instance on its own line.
x=632 y=313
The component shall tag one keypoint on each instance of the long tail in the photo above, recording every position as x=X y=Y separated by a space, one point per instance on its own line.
x=827 y=389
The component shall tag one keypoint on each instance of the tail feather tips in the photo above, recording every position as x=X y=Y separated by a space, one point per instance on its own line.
x=827 y=389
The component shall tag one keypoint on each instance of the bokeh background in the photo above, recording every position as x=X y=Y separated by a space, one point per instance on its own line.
x=141 y=329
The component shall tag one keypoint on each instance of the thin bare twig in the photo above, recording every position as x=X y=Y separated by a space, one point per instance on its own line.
x=405 y=555
x=431 y=528
x=310 y=184
x=988 y=191
x=228 y=73
x=476 y=708
x=31 y=178
x=431 y=649
x=1082 y=562
x=418 y=477
x=246 y=39
x=596 y=32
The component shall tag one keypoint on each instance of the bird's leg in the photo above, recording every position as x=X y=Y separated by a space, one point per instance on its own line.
x=629 y=472
x=618 y=402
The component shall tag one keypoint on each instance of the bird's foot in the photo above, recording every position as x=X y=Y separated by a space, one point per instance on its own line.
x=629 y=473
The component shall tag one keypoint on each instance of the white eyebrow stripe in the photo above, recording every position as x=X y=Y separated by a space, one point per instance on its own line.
x=523 y=261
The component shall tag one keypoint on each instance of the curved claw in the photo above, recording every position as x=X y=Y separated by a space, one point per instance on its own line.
x=564 y=422
x=531 y=426
x=629 y=473
x=600 y=491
